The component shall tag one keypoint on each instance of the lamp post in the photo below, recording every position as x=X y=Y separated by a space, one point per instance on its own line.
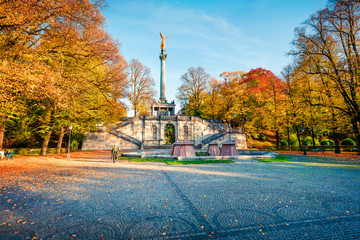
x=303 y=131
x=70 y=129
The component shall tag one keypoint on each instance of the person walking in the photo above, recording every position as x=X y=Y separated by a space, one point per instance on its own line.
x=114 y=153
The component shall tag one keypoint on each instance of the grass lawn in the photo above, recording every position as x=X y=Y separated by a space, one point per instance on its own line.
x=174 y=162
x=278 y=158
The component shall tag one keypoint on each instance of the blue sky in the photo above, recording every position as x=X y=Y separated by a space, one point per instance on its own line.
x=219 y=35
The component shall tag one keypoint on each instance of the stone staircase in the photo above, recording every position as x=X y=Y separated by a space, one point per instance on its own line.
x=125 y=123
x=164 y=146
x=126 y=138
x=212 y=138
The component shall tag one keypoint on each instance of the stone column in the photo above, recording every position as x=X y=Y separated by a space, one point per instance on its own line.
x=163 y=56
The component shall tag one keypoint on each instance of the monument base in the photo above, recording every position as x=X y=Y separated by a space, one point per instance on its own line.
x=150 y=132
x=163 y=109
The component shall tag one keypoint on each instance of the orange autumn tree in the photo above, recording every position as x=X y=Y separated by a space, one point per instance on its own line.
x=222 y=97
x=254 y=101
x=267 y=93
x=58 y=65
x=233 y=91
x=213 y=101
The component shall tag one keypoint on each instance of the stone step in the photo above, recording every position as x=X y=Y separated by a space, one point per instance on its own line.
x=164 y=146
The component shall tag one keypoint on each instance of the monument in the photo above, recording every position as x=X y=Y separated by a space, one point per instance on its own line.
x=154 y=131
x=163 y=56
x=163 y=108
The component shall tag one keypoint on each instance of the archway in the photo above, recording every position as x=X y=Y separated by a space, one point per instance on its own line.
x=169 y=134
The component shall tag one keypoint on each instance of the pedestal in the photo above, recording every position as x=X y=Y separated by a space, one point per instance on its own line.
x=166 y=109
x=213 y=149
x=229 y=149
x=183 y=149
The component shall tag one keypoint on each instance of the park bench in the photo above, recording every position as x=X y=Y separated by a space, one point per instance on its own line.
x=317 y=150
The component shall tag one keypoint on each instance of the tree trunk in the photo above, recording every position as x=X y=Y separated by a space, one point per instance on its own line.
x=313 y=136
x=357 y=134
x=2 y=132
x=298 y=137
x=61 y=136
x=337 y=147
x=288 y=132
x=45 y=144
x=277 y=140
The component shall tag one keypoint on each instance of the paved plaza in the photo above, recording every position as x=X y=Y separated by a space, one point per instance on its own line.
x=89 y=197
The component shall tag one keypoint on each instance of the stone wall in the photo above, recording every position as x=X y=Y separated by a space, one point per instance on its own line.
x=238 y=138
x=129 y=133
x=105 y=141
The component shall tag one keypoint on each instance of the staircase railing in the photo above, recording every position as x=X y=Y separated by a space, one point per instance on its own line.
x=212 y=138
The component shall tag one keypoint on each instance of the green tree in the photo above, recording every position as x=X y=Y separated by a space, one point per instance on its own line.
x=326 y=46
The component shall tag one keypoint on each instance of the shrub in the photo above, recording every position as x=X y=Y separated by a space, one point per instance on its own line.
x=269 y=148
x=202 y=154
x=284 y=143
x=327 y=142
x=74 y=145
x=293 y=139
x=35 y=151
x=51 y=151
x=308 y=141
x=23 y=150
x=323 y=143
x=348 y=142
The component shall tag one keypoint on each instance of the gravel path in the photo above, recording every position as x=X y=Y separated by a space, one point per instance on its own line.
x=89 y=197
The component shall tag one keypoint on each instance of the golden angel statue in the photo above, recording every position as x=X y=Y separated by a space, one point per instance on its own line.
x=163 y=40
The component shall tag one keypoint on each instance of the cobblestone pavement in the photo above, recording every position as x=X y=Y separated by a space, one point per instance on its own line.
x=92 y=198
